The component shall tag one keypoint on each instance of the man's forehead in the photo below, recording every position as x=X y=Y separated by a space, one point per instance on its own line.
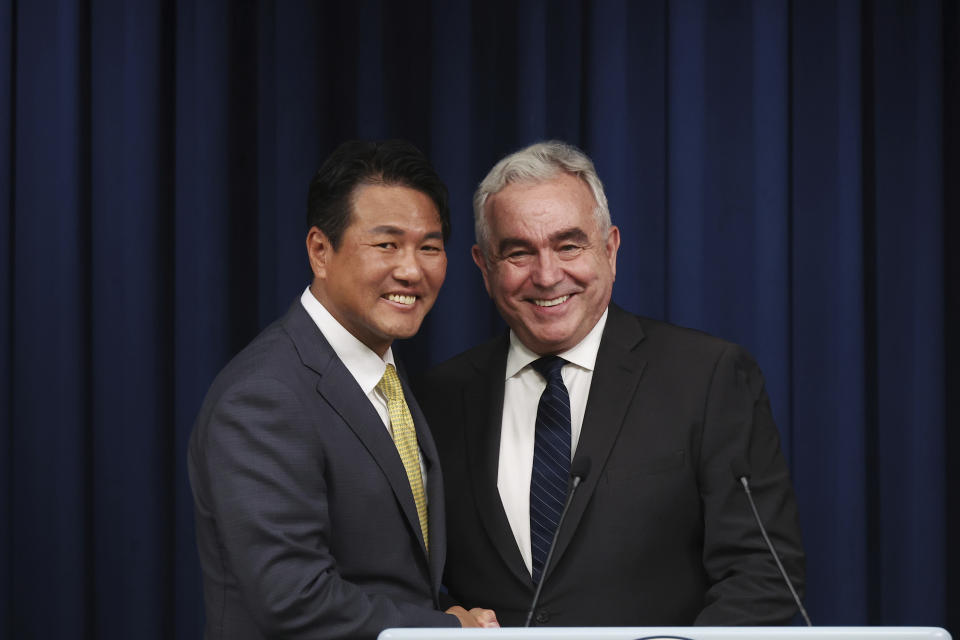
x=563 y=194
x=392 y=209
x=545 y=218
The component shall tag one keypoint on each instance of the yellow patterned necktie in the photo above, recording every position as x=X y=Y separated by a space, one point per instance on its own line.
x=405 y=437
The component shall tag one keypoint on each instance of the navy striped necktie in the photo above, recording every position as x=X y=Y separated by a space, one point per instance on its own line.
x=551 y=461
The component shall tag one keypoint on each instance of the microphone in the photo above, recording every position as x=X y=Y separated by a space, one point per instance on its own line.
x=741 y=474
x=579 y=469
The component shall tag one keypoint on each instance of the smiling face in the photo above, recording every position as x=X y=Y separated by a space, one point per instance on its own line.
x=548 y=266
x=386 y=273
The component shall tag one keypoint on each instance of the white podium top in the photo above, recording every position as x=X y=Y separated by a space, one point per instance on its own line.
x=672 y=633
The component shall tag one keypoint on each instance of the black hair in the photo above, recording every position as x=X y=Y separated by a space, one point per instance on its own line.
x=360 y=162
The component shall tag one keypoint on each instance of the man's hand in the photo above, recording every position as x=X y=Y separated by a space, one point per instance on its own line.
x=476 y=617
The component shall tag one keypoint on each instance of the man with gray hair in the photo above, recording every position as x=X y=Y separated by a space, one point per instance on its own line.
x=659 y=532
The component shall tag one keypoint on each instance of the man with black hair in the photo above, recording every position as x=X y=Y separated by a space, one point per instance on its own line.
x=318 y=493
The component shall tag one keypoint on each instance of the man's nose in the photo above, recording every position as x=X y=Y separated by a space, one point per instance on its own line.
x=408 y=267
x=547 y=270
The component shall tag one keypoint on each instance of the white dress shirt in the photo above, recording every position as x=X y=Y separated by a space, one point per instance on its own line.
x=522 y=389
x=366 y=367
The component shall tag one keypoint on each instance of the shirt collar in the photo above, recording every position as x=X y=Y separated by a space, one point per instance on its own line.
x=583 y=354
x=361 y=361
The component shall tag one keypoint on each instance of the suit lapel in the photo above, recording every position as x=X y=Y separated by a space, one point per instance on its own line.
x=483 y=445
x=341 y=391
x=616 y=376
x=435 y=506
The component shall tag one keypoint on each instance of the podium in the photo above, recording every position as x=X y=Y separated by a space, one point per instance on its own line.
x=672 y=633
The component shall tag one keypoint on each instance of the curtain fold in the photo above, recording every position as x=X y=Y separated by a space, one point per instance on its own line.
x=832 y=437
x=49 y=309
x=129 y=445
x=782 y=173
x=907 y=130
x=7 y=47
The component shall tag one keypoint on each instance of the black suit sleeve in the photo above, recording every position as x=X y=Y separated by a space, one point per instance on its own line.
x=746 y=587
x=259 y=475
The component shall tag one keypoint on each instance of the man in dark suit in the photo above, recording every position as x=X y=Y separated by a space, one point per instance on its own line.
x=659 y=532
x=319 y=500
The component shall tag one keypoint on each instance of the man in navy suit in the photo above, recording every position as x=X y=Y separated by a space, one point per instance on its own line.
x=318 y=492
x=659 y=532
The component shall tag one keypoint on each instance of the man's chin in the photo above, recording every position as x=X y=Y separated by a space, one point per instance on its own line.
x=404 y=330
x=546 y=342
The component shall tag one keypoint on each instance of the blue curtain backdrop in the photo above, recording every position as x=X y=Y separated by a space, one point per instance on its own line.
x=784 y=174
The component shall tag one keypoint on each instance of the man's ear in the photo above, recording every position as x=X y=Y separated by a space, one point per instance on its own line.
x=613 y=243
x=481 y=261
x=318 y=252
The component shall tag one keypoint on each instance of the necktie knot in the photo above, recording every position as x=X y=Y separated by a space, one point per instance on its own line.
x=549 y=366
x=389 y=385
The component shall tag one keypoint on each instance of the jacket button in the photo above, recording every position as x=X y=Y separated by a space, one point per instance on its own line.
x=542 y=617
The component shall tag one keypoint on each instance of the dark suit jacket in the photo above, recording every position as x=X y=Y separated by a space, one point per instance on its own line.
x=659 y=533
x=306 y=523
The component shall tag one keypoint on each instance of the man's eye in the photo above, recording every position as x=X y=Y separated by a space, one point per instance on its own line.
x=570 y=250
x=430 y=248
x=386 y=245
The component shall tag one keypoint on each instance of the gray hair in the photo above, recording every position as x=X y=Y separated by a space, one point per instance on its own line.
x=538 y=163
